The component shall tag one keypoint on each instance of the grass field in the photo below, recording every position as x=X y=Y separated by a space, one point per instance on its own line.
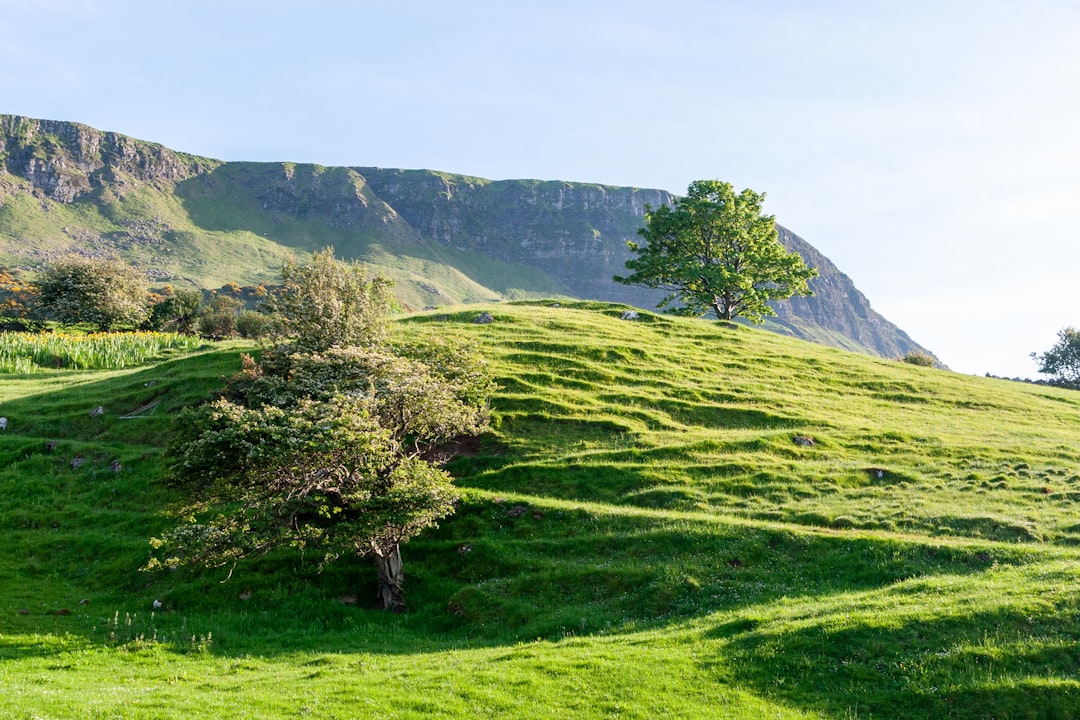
x=647 y=531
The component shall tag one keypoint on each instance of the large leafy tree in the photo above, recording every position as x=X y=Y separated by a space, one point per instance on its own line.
x=335 y=450
x=1062 y=361
x=101 y=291
x=715 y=250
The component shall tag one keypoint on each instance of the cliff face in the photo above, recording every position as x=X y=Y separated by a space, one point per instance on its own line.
x=839 y=306
x=66 y=161
x=445 y=238
x=575 y=232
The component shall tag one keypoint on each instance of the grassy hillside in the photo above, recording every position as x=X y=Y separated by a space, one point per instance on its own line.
x=239 y=221
x=643 y=534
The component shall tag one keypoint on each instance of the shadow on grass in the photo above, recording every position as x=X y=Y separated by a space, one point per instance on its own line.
x=500 y=573
x=901 y=661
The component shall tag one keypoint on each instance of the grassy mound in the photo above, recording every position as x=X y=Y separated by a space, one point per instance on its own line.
x=667 y=518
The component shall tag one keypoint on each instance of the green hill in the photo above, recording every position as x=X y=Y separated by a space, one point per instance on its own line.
x=667 y=518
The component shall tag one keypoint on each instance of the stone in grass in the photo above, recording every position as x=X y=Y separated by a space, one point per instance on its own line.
x=97 y=412
x=629 y=315
x=804 y=440
x=517 y=511
x=484 y=318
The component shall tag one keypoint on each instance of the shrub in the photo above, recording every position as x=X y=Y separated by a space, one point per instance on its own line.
x=252 y=324
x=916 y=357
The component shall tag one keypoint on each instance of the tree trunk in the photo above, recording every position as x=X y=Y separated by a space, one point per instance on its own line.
x=391 y=578
x=722 y=311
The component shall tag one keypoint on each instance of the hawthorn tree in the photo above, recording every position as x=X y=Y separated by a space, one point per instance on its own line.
x=332 y=448
x=101 y=291
x=1062 y=361
x=326 y=303
x=715 y=250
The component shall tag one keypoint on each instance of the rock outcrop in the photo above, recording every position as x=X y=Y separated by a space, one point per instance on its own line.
x=65 y=161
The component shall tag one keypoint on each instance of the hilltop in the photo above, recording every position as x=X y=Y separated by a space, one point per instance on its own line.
x=667 y=518
x=445 y=238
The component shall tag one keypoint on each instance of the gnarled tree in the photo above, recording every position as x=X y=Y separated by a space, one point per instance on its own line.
x=334 y=450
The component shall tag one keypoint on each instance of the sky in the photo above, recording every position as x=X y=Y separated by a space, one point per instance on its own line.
x=929 y=148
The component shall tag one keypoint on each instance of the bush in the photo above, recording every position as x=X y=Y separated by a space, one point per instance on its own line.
x=176 y=312
x=252 y=324
x=916 y=357
x=218 y=318
x=100 y=291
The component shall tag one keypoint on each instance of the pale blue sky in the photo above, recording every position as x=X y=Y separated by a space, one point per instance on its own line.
x=930 y=149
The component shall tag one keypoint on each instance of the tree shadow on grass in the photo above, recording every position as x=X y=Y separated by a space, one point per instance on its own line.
x=1001 y=644
x=505 y=572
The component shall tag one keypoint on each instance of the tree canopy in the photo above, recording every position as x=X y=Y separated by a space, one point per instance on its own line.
x=334 y=448
x=101 y=291
x=327 y=302
x=1062 y=361
x=715 y=250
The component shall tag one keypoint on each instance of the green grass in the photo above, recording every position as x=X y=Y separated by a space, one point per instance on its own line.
x=640 y=536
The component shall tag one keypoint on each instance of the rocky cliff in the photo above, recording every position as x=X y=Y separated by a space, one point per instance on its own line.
x=578 y=233
x=445 y=238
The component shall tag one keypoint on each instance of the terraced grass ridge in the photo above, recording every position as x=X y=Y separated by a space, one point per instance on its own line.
x=669 y=518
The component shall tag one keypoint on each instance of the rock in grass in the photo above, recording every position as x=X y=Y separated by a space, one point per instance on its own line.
x=484 y=318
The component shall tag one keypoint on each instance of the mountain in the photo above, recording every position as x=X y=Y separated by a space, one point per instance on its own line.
x=445 y=238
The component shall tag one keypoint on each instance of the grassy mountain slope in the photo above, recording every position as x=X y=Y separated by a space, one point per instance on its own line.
x=200 y=222
x=445 y=238
x=641 y=535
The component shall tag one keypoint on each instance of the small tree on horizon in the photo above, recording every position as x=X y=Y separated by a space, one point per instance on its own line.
x=1062 y=361
x=715 y=250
